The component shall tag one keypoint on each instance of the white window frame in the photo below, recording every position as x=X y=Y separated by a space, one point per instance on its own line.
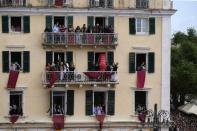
x=10 y=26
x=146 y=53
x=65 y=56
x=142 y=20
x=21 y=58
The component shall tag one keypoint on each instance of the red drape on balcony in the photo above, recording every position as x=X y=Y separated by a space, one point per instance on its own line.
x=90 y=39
x=142 y=117
x=53 y=78
x=13 y=77
x=141 y=75
x=102 y=62
x=14 y=118
x=71 y=38
x=100 y=118
x=58 y=122
x=59 y=3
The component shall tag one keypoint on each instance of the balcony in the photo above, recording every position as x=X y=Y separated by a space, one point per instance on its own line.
x=142 y=4
x=60 y=3
x=81 y=78
x=101 y=3
x=13 y=3
x=80 y=39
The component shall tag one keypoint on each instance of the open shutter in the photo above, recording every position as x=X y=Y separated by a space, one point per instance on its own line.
x=49 y=22
x=131 y=62
x=151 y=25
x=70 y=102
x=5 y=24
x=26 y=61
x=90 y=21
x=111 y=103
x=151 y=62
x=110 y=57
x=111 y=21
x=26 y=24
x=89 y=102
x=132 y=28
x=5 y=55
x=49 y=57
x=70 y=21
x=90 y=60
x=69 y=57
x=51 y=102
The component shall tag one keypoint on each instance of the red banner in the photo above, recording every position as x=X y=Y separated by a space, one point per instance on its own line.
x=141 y=75
x=13 y=77
x=102 y=62
x=58 y=122
x=100 y=118
x=53 y=78
x=14 y=118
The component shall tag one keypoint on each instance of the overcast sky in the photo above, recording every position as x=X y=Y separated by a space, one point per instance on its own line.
x=186 y=15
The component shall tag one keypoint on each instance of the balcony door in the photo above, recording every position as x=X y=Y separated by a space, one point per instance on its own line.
x=101 y=21
x=59 y=57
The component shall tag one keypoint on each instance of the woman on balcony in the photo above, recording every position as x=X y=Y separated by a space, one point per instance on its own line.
x=77 y=35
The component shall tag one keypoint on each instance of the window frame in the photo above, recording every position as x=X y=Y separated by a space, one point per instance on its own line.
x=10 y=26
x=142 y=20
x=10 y=59
x=65 y=55
x=65 y=19
x=146 y=66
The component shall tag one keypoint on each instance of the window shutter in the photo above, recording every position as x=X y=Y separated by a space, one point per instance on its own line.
x=70 y=21
x=111 y=103
x=49 y=22
x=90 y=60
x=26 y=61
x=110 y=57
x=70 y=102
x=152 y=25
x=5 y=55
x=132 y=28
x=69 y=57
x=5 y=24
x=49 y=58
x=90 y=21
x=51 y=106
x=131 y=62
x=151 y=62
x=89 y=102
x=111 y=21
x=26 y=24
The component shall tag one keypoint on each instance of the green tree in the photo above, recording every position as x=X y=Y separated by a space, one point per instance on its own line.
x=183 y=67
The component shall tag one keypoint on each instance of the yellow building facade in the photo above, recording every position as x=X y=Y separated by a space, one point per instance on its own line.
x=140 y=33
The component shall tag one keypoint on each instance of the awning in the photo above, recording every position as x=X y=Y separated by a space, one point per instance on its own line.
x=141 y=75
x=53 y=78
x=14 y=118
x=58 y=122
x=13 y=77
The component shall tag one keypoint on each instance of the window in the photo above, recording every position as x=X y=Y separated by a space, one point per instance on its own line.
x=141 y=61
x=16 y=24
x=13 y=60
x=142 y=25
x=62 y=102
x=142 y=4
x=16 y=105
x=100 y=102
x=140 y=101
x=101 y=3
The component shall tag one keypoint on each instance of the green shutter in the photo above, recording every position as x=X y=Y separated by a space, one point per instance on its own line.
x=5 y=61
x=26 y=61
x=151 y=25
x=49 y=22
x=131 y=62
x=69 y=57
x=70 y=21
x=151 y=62
x=70 y=102
x=132 y=28
x=90 y=60
x=111 y=103
x=51 y=106
x=110 y=57
x=49 y=57
x=111 y=21
x=5 y=24
x=90 y=21
x=26 y=24
x=89 y=102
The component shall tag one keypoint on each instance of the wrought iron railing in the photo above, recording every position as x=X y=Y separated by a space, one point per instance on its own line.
x=12 y=3
x=101 y=3
x=80 y=38
x=142 y=4
x=60 y=3
x=87 y=77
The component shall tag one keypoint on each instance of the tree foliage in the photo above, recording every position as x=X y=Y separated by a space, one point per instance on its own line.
x=183 y=66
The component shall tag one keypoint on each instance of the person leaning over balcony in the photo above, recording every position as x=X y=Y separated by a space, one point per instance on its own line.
x=84 y=30
x=61 y=71
x=114 y=74
x=77 y=32
x=56 y=31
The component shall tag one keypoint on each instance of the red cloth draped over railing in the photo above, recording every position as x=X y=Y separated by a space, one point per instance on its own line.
x=142 y=117
x=71 y=38
x=100 y=118
x=14 y=118
x=53 y=78
x=13 y=77
x=141 y=75
x=59 y=3
x=93 y=75
x=102 y=62
x=90 y=38
x=58 y=122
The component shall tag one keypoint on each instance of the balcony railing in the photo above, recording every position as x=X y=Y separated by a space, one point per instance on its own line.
x=88 y=77
x=101 y=3
x=98 y=39
x=142 y=4
x=12 y=3
x=60 y=3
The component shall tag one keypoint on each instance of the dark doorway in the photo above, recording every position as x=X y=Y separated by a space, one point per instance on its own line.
x=99 y=99
x=16 y=58
x=140 y=100
x=100 y=21
x=60 y=20
x=58 y=102
x=140 y=58
x=59 y=57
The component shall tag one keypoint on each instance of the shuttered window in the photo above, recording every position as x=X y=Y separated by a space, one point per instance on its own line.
x=90 y=21
x=151 y=62
x=110 y=58
x=111 y=21
x=26 y=24
x=132 y=28
x=111 y=103
x=49 y=57
x=132 y=63
x=70 y=102
x=5 y=61
x=70 y=21
x=151 y=25
x=5 y=24
x=49 y=22
x=69 y=57
x=26 y=61
x=90 y=61
x=89 y=102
